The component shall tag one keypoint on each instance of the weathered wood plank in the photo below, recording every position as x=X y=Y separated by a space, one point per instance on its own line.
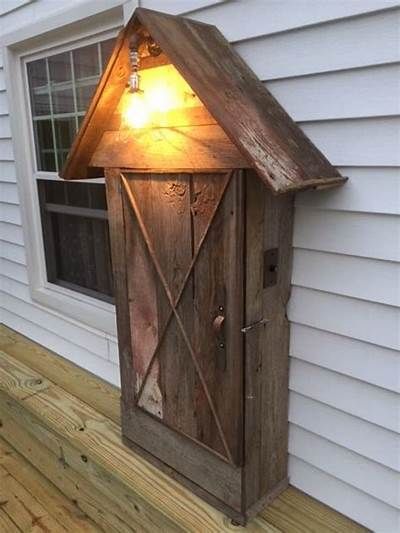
x=269 y=226
x=115 y=208
x=269 y=139
x=189 y=147
x=254 y=345
x=143 y=318
x=217 y=289
x=179 y=213
x=176 y=118
x=204 y=473
x=278 y=231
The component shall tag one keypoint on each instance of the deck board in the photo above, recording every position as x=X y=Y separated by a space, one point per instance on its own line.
x=29 y=502
x=46 y=399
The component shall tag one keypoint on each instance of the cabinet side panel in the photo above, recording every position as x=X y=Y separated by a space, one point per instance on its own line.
x=117 y=242
x=269 y=222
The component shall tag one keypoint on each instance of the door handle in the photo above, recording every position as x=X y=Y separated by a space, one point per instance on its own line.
x=218 y=323
x=218 y=326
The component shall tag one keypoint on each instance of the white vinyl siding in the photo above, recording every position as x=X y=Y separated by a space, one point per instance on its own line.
x=335 y=67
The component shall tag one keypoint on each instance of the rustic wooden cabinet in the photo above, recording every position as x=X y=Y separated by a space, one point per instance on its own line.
x=203 y=342
x=200 y=189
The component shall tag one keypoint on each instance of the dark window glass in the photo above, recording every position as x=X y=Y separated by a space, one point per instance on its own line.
x=41 y=103
x=76 y=239
x=106 y=49
x=62 y=100
x=60 y=68
x=84 y=93
x=37 y=73
x=65 y=129
x=39 y=88
x=61 y=87
x=44 y=144
x=86 y=62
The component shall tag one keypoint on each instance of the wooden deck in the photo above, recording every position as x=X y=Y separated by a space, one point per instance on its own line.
x=29 y=502
x=61 y=422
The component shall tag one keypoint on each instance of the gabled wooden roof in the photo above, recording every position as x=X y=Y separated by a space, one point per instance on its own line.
x=271 y=142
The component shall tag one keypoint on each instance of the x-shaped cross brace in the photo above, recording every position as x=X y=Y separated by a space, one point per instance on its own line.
x=174 y=302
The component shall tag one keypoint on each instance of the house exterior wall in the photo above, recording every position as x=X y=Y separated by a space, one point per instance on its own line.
x=335 y=67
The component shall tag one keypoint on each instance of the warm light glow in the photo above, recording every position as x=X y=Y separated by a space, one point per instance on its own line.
x=162 y=90
x=162 y=98
x=136 y=113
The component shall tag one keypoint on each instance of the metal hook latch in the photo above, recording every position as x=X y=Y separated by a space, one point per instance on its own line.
x=248 y=328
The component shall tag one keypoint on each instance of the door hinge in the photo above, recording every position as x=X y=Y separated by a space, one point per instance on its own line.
x=271 y=260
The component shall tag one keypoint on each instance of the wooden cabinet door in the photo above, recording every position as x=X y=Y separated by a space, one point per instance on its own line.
x=183 y=240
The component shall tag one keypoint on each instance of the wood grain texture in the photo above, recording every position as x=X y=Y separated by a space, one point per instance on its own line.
x=263 y=132
x=187 y=377
x=246 y=111
x=177 y=214
x=92 y=488
x=128 y=482
x=191 y=147
x=32 y=501
x=185 y=116
x=116 y=227
x=278 y=230
x=23 y=508
x=269 y=225
x=204 y=470
x=291 y=512
x=92 y=390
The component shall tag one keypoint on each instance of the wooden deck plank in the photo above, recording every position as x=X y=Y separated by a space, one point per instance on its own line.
x=23 y=509
x=31 y=503
x=55 y=417
x=90 y=389
x=295 y=512
x=6 y=524
x=54 y=414
x=80 y=463
x=66 y=514
x=104 y=511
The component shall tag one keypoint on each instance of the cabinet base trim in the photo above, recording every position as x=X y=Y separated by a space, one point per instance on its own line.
x=240 y=518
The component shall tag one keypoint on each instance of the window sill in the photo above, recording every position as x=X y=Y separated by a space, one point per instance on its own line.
x=83 y=309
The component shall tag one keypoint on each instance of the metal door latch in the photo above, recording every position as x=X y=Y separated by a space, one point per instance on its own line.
x=248 y=328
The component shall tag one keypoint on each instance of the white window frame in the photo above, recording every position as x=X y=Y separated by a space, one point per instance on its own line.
x=87 y=22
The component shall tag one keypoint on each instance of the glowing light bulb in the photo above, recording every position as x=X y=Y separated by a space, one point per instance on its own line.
x=161 y=98
x=136 y=113
x=156 y=99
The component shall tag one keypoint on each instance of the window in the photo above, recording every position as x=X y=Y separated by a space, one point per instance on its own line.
x=73 y=215
x=76 y=241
